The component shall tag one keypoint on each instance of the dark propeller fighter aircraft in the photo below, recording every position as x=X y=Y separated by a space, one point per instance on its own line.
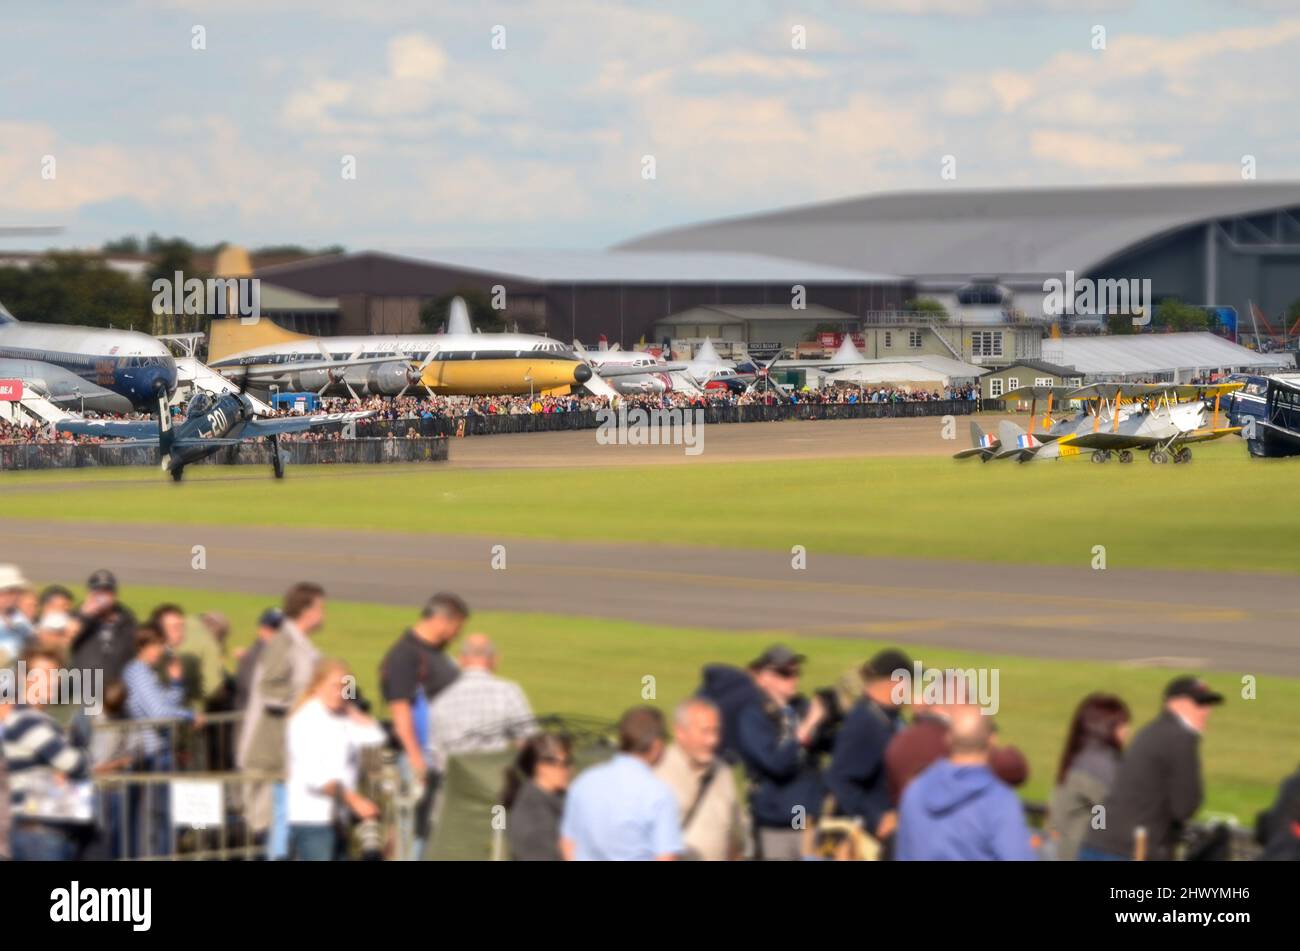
x=211 y=423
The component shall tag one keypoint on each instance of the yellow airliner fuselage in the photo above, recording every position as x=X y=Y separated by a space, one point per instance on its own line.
x=468 y=364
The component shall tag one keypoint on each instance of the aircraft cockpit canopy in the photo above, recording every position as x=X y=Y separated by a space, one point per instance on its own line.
x=198 y=405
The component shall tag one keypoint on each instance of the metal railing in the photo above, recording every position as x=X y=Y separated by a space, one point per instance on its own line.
x=170 y=790
x=481 y=424
x=365 y=449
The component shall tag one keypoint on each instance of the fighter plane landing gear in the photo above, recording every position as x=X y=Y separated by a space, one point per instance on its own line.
x=1101 y=456
x=1158 y=457
x=1183 y=455
x=277 y=460
x=178 y=473
x=1126 y=455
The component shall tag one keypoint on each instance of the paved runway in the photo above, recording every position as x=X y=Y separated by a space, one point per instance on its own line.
x=1246 y=623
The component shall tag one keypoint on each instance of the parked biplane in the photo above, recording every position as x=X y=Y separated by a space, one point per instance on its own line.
x=1119 y=419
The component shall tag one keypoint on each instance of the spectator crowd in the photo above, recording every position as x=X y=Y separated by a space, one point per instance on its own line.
x=750 y=766
x=395 y=410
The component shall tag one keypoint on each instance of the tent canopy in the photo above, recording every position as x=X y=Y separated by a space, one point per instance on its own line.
x=893 y=374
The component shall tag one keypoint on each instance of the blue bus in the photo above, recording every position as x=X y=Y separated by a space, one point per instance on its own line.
x=1268 y=409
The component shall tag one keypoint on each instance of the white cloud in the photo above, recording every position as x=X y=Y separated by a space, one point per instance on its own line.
x=415 y=57
x=742 y=63
x=972 y=8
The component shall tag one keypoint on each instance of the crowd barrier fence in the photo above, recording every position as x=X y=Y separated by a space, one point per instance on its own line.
x=491 y=424
x=190 y=801
x=366 y=448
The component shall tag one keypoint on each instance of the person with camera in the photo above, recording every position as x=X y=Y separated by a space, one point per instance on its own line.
x=774 y=737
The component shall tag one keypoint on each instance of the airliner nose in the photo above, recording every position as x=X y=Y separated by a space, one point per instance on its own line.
x=582 y=373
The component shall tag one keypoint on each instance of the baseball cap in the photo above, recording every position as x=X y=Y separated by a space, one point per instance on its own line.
x=102 y=580
x=1194 y=688
x=776 y=657
x=11 y=578
x=271 y=617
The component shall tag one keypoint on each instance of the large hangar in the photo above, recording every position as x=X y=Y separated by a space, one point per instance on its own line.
x=580 y=294
x=1224 y=245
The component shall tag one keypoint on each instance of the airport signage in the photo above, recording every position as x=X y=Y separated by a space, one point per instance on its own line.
x=11 y=391
x=764 y=350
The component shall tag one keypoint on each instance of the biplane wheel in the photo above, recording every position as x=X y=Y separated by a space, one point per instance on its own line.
x=1125 y=455
x=1158 y=456
x=177 y=473
x=1183 y=455
x=1101 y=456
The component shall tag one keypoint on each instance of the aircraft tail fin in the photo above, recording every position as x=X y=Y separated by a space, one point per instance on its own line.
x=230 y=335
x=1015 y=441
x=982 y=444
x=458 y=321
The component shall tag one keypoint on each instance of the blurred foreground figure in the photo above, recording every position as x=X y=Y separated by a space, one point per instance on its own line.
x=957 y=809
x=704 y=785
x=1159 y=786
x=620 y=810
x=534 y=798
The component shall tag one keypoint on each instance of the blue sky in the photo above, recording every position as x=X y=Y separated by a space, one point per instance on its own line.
x=541 y=144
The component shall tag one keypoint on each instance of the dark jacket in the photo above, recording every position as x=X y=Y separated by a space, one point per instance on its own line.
x=106 y=642
x=4 y=807
x=731 y=690
x=856 y=777
x=1278 y=829
x=533 y=827
x=783 y=776
x=1158 y=787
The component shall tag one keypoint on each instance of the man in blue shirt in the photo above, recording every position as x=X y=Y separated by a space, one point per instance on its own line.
x=619 y=810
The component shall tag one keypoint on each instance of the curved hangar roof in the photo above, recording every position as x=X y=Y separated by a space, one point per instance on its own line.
x=956 y=234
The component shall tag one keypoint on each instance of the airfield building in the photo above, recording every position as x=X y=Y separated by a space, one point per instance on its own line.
x=1176 y=358
x=582 y=294
x=1003 y=382
x=986 y=254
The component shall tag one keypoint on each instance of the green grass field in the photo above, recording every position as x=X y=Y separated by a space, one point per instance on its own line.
x=595 y=668
x=1209 y=515
x=1212 y=514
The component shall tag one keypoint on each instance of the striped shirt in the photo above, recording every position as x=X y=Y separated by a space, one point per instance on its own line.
x=36 y=753
x=148 y=699
x=479 y=713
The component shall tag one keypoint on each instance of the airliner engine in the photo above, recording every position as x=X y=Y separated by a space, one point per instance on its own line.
x=379 y=379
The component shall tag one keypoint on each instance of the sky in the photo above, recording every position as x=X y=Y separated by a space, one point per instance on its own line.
x=401 y=125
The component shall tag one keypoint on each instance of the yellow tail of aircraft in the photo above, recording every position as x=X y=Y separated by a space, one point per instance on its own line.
x=229 y=335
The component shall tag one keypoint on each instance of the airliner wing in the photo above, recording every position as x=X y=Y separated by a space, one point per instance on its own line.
x=271 y=371
x=621 y=369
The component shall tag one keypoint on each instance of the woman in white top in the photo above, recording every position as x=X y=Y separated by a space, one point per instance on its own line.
x=325 y=733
